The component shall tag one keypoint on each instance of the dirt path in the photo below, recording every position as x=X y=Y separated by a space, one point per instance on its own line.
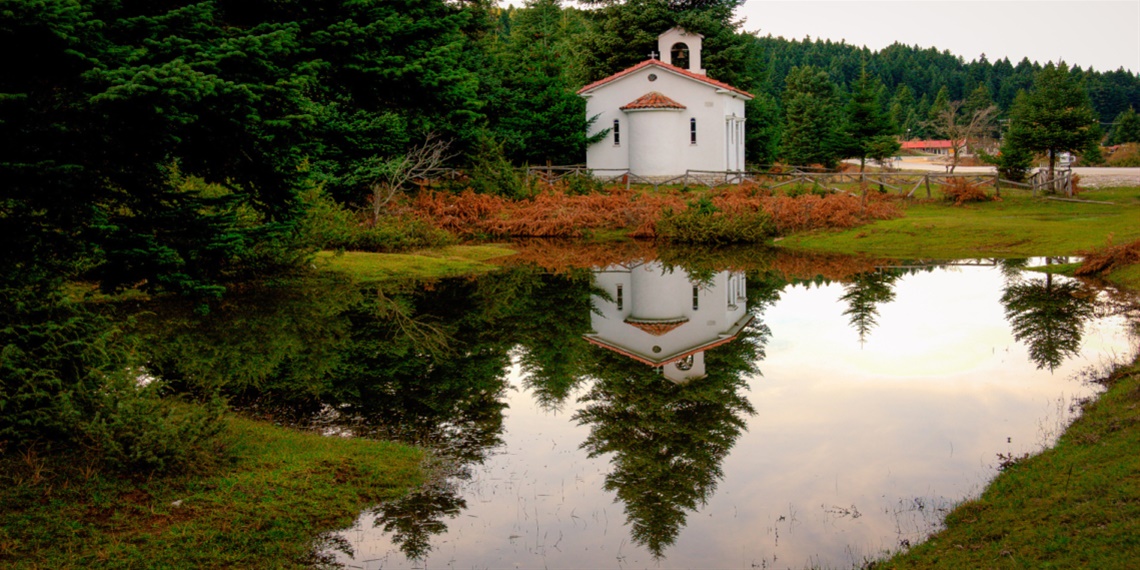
x=1091 y=176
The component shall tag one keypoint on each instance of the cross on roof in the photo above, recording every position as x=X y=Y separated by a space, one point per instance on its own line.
x=653 y=54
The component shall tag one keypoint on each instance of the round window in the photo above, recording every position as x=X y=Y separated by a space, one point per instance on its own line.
x=653 y=77
x=656 y=349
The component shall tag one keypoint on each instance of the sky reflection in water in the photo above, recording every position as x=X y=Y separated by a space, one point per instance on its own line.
x=844 y=420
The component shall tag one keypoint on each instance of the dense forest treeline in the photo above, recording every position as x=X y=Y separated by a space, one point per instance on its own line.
x=187 y=146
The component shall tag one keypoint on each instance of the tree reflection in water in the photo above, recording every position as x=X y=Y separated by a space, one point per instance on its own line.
x=413 y=520
x=863 y=295
x=668 y=440
x=453 y=401
x=1048 y=317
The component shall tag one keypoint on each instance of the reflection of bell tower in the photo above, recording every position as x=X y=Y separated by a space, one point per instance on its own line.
x=681 y=48
x=663 y=318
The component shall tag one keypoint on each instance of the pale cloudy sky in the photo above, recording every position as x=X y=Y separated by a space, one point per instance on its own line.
x=1100 y=34
x=1104 y=35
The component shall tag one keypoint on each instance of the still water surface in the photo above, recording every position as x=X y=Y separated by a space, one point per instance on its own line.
x=727 y=419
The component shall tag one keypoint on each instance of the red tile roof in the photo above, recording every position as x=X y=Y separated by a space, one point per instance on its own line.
x=666 y=67
x=925 y=144
x=652 y=100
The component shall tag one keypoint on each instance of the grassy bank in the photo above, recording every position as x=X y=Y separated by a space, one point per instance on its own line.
x=1017 y=226
x=264 y=509
x=1076 y=505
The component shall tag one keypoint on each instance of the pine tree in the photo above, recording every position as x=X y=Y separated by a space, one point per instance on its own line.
x=867 y=131
x=902 y=111
x=534 y=112
x=1126 y=127
x=979 y=99
x=811 y=122
x=762 y=137
x=1055 y=116
x=939 y=106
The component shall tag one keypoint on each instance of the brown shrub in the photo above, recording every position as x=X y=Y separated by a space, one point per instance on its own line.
x=959 y=191
x=812 y=212
x=1109 y=257
x=555 y=214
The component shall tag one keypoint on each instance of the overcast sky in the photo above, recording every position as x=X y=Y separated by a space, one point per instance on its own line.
x=1103 y=35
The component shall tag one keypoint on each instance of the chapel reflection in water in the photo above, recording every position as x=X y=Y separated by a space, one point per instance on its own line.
x=672 y=358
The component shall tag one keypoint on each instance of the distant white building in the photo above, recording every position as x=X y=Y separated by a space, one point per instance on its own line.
x=664 y=319
x=666 y=116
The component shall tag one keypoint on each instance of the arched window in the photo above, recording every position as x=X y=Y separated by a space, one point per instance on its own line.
x=679 y=55
x=617 y=132
x=693 y=131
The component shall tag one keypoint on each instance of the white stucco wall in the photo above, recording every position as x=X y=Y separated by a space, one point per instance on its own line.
x=702 y=102
x=651 y=146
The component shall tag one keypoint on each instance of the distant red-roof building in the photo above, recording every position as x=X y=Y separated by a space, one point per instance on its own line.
x=932 y=147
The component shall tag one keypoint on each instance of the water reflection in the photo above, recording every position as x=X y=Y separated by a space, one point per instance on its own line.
x=863 y=295
x=664 y=405
x=1049 y=317
x=548 y=396
x=413 y=521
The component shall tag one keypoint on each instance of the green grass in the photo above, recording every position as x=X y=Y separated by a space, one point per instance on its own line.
x=1129 y=277
x=1076 y=505
x=425 y=264
x=1017 y=226
x=263 y=510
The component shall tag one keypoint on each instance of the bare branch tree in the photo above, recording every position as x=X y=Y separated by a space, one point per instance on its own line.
x=961 y=128
x=386 y=177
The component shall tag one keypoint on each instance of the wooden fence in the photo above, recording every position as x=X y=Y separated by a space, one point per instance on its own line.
x=905 y=184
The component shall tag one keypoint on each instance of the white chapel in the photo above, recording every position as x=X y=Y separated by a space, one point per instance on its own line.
x=666 y=116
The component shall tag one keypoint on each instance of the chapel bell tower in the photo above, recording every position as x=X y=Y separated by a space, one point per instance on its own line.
x=682 y=49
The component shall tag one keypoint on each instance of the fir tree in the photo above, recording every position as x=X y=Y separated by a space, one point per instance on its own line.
x=1126 y=127
x=1054 y=117
x=811 y=123
x=868 y=130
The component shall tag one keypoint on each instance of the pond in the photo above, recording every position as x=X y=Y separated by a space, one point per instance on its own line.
x=773 y=412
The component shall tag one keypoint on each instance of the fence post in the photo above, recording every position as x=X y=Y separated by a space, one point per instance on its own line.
x=926 y=179
x=997 y=184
